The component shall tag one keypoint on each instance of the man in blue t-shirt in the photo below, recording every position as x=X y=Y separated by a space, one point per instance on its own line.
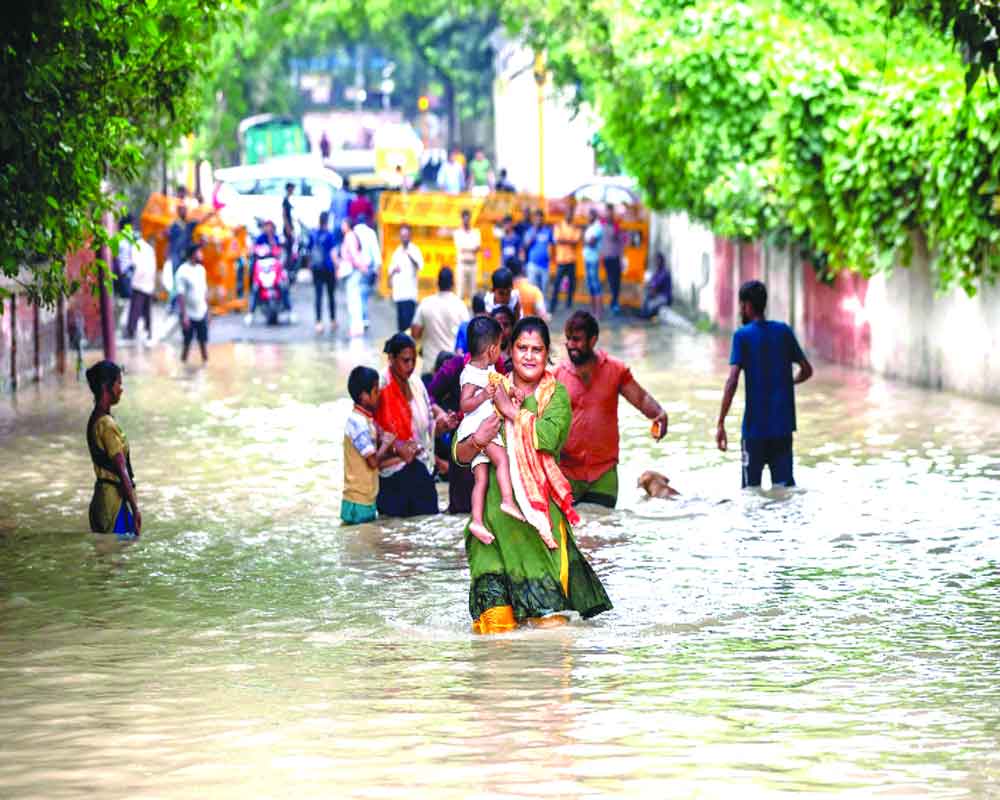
x=539 y=242
x=765 y=350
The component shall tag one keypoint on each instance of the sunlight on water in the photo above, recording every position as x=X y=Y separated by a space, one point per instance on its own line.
x=840 y=639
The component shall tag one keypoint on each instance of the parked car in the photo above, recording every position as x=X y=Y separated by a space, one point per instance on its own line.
x=254 y=192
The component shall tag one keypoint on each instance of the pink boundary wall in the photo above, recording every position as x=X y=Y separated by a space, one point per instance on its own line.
x=34 y=341
x=828 y=318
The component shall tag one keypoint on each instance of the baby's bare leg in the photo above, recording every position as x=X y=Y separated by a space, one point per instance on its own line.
x=481 y=474
x=498 y=455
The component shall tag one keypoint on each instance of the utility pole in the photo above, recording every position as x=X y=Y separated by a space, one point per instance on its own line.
x=540 y=78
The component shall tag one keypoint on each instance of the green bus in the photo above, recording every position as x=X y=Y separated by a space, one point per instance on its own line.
x=264 y=136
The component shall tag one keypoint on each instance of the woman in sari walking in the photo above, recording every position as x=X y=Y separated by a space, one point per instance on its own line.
x=516 y=579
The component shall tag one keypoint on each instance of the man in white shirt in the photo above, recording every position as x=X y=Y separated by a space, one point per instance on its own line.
x=437 y=319
x=143 y=287
x=404 y=268
x=451 y=175
x=468 y=243
x=372 y=251
x=191 y=284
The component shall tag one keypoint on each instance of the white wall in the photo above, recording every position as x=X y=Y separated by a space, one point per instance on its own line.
x=568 y=156
x=947 y=342
x=689 y=249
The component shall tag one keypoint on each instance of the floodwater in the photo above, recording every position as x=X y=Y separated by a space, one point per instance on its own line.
x=839 y=640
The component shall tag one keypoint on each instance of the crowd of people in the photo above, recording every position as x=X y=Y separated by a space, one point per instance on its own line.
x=520 y=443
x=520 y=435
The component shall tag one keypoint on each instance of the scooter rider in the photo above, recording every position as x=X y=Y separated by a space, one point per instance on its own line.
x=268 y=238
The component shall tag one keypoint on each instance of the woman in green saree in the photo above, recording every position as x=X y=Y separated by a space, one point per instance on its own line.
x=516 y=579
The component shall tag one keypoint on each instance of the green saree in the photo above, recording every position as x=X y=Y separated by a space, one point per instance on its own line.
x=517 y=571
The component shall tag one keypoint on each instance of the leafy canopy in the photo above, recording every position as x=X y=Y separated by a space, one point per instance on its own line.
x=89 y=85
x=828 y=123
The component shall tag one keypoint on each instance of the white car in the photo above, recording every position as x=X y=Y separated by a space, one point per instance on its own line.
x=611 y=190
x=254 y=192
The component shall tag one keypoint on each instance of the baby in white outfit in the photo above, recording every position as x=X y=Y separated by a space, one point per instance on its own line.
x=476 y=402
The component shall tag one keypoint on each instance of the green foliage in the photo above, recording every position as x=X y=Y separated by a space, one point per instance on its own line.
x=89 y=85
x=974 y=26
x=823 y=123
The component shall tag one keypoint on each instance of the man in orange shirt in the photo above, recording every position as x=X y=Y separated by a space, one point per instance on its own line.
x=568 y=238
x=530 y=297
x=594 y=381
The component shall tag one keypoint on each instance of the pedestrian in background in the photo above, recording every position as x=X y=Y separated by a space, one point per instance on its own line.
x=451 y=175
x=352 y=268
x=530 y=297
x=592 y=237
x=437 y=319
x=510 y=244
x=468 y=243
x=539 y=244
x=372 y=254
x=404 y=271
x=288 y=231
x=340 y=204
x=480 y=179
x=321 y=248
x=659 y=290
x=143 y=288
x=192 y=302
x=462 y=337
x=612 y=250
x=503 y=293
x=766 y=351
x=568 y=238
x=361 y=206
x=503 y=183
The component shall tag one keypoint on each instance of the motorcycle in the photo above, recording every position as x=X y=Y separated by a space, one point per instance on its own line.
x=268 y=283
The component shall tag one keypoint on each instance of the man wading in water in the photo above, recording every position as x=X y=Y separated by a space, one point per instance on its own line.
x=766 y=350
x=594 y=381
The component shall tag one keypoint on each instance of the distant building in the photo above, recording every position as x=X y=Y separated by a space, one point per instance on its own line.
x=568 y=156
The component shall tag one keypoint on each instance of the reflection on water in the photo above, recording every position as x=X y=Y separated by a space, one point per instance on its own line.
x=839 y=639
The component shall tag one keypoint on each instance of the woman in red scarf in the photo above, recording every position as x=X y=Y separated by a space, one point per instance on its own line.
x=406 y=484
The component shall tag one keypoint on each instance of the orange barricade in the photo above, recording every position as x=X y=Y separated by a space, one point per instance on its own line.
x=433 y=217
x=223 y=250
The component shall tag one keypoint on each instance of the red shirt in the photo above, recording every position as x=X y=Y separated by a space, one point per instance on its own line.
x=592 y=446
x=359 y=206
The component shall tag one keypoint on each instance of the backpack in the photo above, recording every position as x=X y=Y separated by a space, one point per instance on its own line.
x=318 y=254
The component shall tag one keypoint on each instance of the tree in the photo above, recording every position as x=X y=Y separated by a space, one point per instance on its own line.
x=89 y=86
x=816 y=122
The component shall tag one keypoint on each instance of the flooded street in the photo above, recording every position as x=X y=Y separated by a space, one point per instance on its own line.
x=838 y=640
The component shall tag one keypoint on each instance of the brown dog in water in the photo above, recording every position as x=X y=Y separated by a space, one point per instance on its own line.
x=657 y=485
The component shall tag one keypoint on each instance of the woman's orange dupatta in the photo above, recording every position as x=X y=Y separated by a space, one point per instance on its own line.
x=539 y=472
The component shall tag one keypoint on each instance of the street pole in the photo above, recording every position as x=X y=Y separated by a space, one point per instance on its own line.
x=539 y=72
